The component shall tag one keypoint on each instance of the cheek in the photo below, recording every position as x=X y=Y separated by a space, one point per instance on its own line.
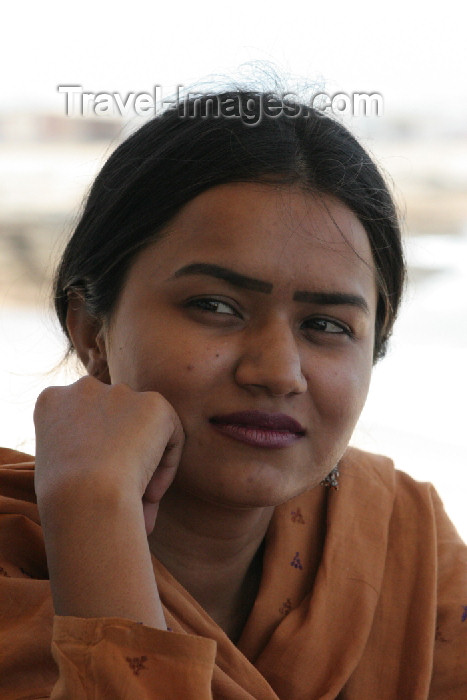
x=182 y=374
x=339 y=390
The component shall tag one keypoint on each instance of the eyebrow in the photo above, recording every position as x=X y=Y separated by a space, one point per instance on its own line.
x=333 y=299
x=223 y=273
x=255 y=285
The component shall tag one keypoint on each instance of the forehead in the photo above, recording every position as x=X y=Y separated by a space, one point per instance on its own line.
x=278 y=233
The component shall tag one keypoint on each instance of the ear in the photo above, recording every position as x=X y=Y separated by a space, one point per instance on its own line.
x=87 y=336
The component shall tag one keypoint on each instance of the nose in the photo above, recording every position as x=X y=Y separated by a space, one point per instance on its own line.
x=270 y=361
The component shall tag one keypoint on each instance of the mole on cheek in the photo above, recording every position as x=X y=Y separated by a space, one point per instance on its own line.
x=190 y=367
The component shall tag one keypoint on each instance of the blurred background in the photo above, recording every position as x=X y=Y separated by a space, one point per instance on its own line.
x=414 y=55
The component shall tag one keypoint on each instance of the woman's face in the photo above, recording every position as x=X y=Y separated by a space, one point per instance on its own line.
x=259 y=301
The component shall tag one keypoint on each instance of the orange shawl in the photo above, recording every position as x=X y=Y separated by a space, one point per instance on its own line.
x=384 y=618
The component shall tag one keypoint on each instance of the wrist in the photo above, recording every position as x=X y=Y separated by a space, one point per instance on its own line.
x=98 y=556
x=97 y=499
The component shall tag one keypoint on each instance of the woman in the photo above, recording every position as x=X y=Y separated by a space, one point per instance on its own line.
x=228 y=289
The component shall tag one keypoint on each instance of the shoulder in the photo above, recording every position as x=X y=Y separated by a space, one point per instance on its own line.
x=378 y=475
x=374 y=494
x=371 y=486
x=413 y=510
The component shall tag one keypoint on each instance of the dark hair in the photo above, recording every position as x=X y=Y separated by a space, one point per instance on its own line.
x=199 y=144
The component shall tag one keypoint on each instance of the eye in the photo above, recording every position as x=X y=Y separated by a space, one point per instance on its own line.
x=326 y=325
x=216 y=306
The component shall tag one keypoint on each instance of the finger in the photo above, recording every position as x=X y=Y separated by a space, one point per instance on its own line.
x=150 y=514
x=165 y=472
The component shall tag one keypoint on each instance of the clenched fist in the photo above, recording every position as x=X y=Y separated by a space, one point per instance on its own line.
x=106 y=439
x=105 y=457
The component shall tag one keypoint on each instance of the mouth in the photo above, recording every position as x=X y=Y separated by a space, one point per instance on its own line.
x=270 y=430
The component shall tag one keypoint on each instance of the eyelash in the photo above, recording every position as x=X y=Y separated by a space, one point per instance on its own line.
x=198 y=302
x=343 y=328
x=208 y=300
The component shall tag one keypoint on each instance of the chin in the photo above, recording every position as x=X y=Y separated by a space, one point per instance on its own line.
x=257 y=485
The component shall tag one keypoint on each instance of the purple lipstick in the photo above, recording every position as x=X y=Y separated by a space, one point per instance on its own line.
x=259 y=429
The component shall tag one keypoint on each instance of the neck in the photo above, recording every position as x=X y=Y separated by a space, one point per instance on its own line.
x=214 y=552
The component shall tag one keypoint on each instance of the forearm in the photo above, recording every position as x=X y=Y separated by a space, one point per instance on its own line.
x=105 y=456
x=99 y=560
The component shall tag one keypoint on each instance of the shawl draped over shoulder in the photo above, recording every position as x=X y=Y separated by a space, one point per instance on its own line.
x=383 y=617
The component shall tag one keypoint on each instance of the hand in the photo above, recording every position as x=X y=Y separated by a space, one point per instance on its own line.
x=92 y=436
x=105 y=457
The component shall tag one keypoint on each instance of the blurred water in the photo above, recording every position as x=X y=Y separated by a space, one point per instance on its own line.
x=416 y=409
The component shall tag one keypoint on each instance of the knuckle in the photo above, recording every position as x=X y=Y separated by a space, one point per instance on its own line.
x=85 y=384
x=155 y=398
x=160 y=406
x=165 y=409
x=46 y=397
x=119 y=394
x=46 y=402
x=120 y=388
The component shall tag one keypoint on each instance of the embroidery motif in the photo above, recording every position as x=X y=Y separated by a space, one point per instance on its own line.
x=439 y=635
x=286 y=607
x=137 y=663
x=464 y=614
x=296 y=563
x=297 y=517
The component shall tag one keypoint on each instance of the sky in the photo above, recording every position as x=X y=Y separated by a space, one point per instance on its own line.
x=413 y=53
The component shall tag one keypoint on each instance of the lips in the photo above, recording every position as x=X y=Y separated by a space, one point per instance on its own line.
x=258 y=419
x=259 y=429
